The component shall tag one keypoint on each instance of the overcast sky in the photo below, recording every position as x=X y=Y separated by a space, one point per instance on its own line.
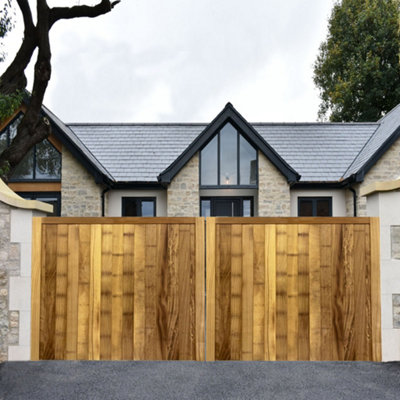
x=183 y=60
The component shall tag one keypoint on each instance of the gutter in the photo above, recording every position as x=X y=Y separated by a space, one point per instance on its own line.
x=103 y=193
x=354 y=200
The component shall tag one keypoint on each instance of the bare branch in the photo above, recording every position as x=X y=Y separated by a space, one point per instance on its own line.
x=104 y=7
x=26 y=14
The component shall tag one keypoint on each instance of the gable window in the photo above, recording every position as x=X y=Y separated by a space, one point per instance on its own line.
x=315 y=206
x=228 y=160
x=138 y=206
x=226 y=207
x=41 y=163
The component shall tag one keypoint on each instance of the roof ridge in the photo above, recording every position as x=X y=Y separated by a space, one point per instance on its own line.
x=362 y=148
x=390 y=112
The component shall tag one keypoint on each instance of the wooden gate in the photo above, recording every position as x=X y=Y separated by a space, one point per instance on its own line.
x=276 y=289
x=118 y=289
x=293 y=289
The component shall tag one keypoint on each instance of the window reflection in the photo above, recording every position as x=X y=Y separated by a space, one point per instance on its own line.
x=209 y=161
x=228 y=155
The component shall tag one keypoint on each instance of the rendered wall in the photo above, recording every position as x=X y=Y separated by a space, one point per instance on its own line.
x=386 y=206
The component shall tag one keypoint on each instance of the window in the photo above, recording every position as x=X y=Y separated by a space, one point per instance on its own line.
x=42 y=163
x=138 y=206
x=53 y=198
x=226 y=207
x=228 y=160
x=315 y=206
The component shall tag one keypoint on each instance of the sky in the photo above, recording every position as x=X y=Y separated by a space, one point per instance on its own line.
x=183 y=60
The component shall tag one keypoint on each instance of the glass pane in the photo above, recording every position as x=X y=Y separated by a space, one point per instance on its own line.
x=3 y=140
x=246 y=208
x=48 y=161
x=129 y=207
x=148 y=208
x=324 y=208
x=209 y=163
x=248 y=163
x=205 y=208
x=13 y=127
x=24 y=169
x=228 y=155
x=305 y=208
x=54 y=202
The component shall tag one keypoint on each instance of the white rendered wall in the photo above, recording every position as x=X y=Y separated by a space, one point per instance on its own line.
x=386 y=205
x=20 y=285
x=338 y=200
x=114 y=208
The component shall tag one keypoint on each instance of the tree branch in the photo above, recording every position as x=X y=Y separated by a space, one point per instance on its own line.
x=27 y=15
x=104 y=7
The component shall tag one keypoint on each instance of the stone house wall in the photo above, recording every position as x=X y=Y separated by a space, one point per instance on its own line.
x=183 y=199
x=80 y=195
x=274 y=190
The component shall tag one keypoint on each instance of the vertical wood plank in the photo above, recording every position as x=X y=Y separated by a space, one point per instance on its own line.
x=281 y=293
x=72 y=292
x=106 y=293
x=210 y=290
x=326 y=293
x=36 y=279
x=116 y=307
x=200 y=289
x=61 y=292
x=139 y=321
x=367 y=285
x=315 y=293
x=270 y=292
x=259 y=293
x=236 y=292
x=223 y=293
x=375 y=290
x=349 y=294
x=127 y=292
x=95 y=292
x=292 y=293
x=152 y=346
x=83 y=292
x=247 y=292
x=304 y=292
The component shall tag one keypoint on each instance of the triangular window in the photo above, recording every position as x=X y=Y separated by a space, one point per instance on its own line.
x=228 y=160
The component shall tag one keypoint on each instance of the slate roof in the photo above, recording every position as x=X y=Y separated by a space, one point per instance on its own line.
x=320 y=152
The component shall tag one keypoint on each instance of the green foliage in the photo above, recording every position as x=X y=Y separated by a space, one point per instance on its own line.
x=9 y=103
x=357 y=69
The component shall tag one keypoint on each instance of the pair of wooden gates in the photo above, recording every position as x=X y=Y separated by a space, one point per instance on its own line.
x=246 y=289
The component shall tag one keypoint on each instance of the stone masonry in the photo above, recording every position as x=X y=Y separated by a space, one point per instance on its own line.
x=386 y=169
x=273 y=192
x=395 y=241
x=80 y=195
x=9 y=266
x=183 y=192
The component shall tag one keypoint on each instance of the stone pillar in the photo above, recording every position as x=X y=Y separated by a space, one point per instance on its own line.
x=80 y=195
x=273 y=190
x=183 y=192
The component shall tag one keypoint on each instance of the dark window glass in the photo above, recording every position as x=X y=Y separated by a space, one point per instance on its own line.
x=228 y=156
x=221 y=160
x=226 y=207
x=3 y=141
x=48 y=161
x=138 y=207
x=209 y=162
x=315 y=206
x=205 y=208
x=247 y=208
x=24 y=169
x=52 y=198
x=248 y=163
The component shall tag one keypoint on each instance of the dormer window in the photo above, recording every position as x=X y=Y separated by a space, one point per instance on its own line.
x=228 y=160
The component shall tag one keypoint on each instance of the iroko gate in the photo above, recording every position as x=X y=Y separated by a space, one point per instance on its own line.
x=276 y=289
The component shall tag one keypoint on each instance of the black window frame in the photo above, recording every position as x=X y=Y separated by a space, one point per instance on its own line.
x=241 y=198
x=314 y=200
x=38 y=195
x=6 y=131
x=219 y=186
x=138 y=200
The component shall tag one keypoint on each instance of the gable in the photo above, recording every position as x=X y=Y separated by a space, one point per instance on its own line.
x=229 y=115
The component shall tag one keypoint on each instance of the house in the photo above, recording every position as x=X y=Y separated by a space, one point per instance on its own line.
x=229 y=167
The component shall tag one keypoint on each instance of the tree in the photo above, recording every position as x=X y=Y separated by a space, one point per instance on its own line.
x=357 y=69
x=33 y=128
